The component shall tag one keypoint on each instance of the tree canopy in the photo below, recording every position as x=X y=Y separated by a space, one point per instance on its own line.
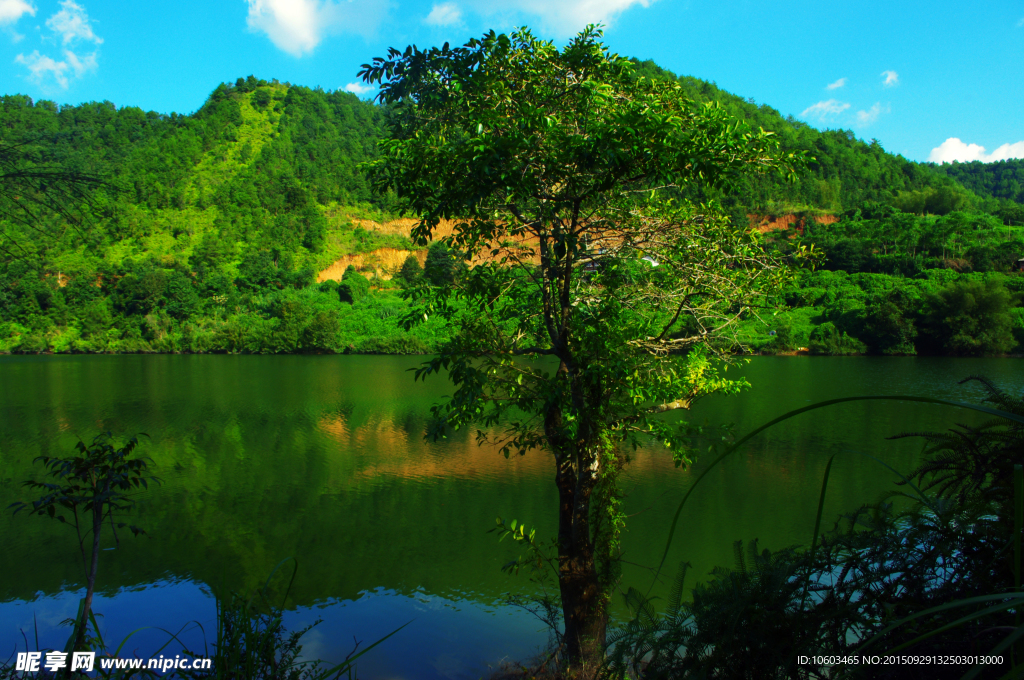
x=562 y=171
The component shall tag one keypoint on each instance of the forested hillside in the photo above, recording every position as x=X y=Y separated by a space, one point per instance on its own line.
x=210 y=232
x=845 y=172
x=212 y=228
x=1000 y=180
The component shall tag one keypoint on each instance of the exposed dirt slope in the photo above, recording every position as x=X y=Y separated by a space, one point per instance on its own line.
x=382 y=262
x=765 y=223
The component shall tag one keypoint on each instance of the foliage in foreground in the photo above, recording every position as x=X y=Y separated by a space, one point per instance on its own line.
x=940 y=577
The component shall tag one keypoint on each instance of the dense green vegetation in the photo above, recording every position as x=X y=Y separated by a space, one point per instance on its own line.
x=212 y=227
x=896 y=283
x=210 y=233
x=908 y=232
x=845 y=173
x=1001 y=179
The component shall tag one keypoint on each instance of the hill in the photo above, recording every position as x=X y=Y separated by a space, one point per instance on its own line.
x=845 y=173
x=1000 y=180
x=229 y=229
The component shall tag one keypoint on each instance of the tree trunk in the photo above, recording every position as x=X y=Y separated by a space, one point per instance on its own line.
x=90 y=587
x=584 y=605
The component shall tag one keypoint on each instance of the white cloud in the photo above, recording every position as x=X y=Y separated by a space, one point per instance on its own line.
x=292 y=25
x=41 y=67
x=824 y=109
x=1020 y=23
x=72 y=23
x=564 y=17
x=836 y=85
x=444 y=15
x=954 y=150
x=358 y=89
x=871 y=115
x=298 y=26
x=80 y=64
x=12 y=10
x=892 y=79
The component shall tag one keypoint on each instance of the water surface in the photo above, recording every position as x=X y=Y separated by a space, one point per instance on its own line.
x=322 y=459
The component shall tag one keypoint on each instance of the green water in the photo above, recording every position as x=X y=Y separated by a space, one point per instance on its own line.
x=322 y=458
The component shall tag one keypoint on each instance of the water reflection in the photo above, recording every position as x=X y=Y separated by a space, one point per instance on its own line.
x=456 y=638
x=323 y=459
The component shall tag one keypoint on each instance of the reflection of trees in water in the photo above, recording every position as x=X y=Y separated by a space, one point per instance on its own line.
x=356 y=495
x=253 y=478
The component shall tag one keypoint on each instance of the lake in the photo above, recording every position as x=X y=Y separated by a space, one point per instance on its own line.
x=321 y=459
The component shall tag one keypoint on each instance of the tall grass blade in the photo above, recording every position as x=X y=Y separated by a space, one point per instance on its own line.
x=1007 y=641
x=952 y=624
x=1010 y=600
x=291 y=581
x=817 y=527
x=786 y=416
x=1018 y=522
x=348 y=663
x=1018 y=527
x=79 y=624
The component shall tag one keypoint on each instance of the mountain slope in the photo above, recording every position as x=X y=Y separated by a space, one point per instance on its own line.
x=216 y=224
x=1001 y=179
x=845 y=173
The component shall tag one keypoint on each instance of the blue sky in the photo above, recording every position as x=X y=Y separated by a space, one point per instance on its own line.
x=931 y=80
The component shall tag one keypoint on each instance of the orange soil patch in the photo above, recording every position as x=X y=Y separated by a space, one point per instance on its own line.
x=765 y=223
x=385 y=261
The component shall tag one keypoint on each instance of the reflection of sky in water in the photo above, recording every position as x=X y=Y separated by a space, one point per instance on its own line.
x=446 y=638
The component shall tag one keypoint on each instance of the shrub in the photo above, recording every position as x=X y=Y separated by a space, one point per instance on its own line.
x=441 y=265
x=889 y=322
x=321 y=333
x=353 y=287
x=827 y=339
x=411 y=270
x=969 y=318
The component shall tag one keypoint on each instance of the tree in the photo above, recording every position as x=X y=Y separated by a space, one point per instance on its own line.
x=440 y=267
x=261 y=98
x=87 y=491
x=889 y=321
x=969 y=318
x=411 y=270
x=353 y=287
x=559 y=168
